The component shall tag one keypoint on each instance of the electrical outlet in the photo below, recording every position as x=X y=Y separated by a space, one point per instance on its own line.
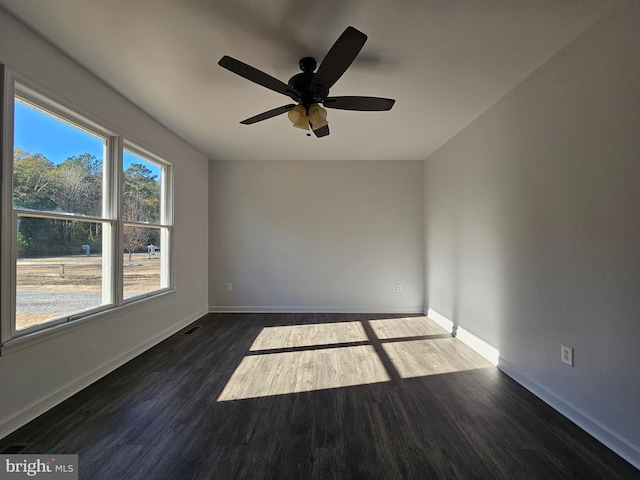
x=398 y=288
x=566 y=355
x=229 y=287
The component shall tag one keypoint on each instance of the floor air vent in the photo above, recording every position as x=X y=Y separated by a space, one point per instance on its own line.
x=15 y=448
x=191 y=331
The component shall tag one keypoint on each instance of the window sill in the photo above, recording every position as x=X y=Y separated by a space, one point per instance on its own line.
x=34 y=338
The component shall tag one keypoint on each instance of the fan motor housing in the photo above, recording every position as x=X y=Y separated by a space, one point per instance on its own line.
x=302 y=83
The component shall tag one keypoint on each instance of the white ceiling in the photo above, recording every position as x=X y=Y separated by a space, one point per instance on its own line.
x=444 y=61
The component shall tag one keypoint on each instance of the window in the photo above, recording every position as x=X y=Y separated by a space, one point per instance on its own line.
x=58 y=180
x=86 y=219
x=146 y=226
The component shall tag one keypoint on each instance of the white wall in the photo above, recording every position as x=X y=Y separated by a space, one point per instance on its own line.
x=44 y=373
x=533 y=230
x=316 y=236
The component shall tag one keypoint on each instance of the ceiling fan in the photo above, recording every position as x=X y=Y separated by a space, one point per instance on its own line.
x=311 y=89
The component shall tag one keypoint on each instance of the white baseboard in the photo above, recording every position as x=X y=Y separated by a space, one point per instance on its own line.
x=263 y=309
x=37 y=408
x=480 y=346
x=620 y=445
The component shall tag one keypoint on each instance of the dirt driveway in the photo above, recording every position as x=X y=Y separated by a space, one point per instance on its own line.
x=51 y=287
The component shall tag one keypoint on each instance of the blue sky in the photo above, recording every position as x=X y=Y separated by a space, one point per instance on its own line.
x=37 y=132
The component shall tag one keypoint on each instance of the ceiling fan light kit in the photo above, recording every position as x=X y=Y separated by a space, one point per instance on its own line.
x=298 y=116
x=317 y=116
x=311 y=89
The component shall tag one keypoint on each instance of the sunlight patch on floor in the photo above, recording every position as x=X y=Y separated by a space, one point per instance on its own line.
x=405 y=327
x=303 y=371
x=302 y=358
x=309 y=335
x=419 y=358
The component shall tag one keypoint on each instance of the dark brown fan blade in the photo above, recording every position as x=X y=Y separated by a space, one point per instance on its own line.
x=338 y=59
x=271 y=113
x=256 y=76
x=322 y=131
x=370 y=104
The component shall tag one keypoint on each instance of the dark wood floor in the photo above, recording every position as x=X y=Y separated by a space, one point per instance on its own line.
x=350 y=396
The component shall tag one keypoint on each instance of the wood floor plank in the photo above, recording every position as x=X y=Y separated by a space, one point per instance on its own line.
x=319 y=396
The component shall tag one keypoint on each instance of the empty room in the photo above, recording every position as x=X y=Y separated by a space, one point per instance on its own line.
x=342 y=240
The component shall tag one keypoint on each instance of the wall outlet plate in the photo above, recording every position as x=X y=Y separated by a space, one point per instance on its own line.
x=398 y=288
x=229 y=287
x=566 y=355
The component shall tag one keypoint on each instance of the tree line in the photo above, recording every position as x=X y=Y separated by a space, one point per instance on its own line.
x=75 y=186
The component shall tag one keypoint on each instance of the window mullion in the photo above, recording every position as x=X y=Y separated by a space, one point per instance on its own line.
x=167 y=277
x=113 y=264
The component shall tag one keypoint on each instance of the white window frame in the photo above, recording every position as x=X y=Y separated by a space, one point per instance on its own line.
x=13 y=86
x=164 y=224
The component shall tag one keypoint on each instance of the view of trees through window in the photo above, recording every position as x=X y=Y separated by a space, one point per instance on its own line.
x=141 y=204
x=59 y=199
x=72 y=186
